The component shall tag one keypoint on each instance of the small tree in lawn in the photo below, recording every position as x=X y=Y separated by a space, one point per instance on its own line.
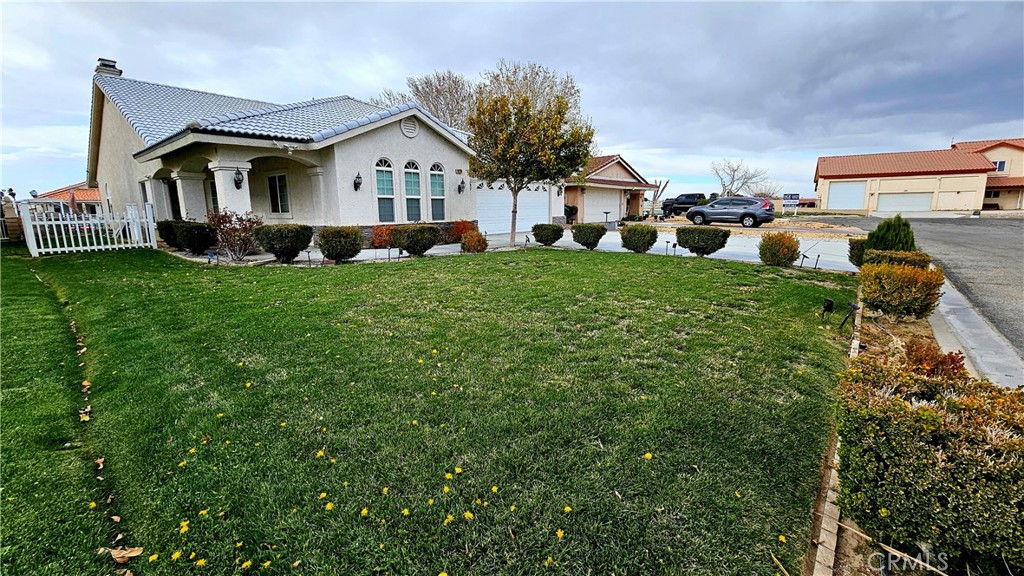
x=520 y=142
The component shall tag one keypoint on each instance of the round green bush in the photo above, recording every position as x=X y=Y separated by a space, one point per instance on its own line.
x=548 y=234
x=284 y=241
x=340 y=243
x=856 y=252
x=892 y=234
x=778 y=248
x=702 y=240
x=196 y=237
x=639 y=237
x=588 y=235
x=167 y=232
x=416 y=239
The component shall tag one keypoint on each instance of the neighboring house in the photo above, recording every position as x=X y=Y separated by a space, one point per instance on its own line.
x=610 y=186
x=74 y=198
x=330 y=161
x=984 y=174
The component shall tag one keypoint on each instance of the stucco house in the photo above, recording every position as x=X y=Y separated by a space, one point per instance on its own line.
x=976 y=175
x=330 y=161
x=610 y=185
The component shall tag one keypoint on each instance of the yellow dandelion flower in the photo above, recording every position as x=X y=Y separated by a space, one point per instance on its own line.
x=227 y=441
x=738 y=495
x=434 y=351
x=568 y=509
x=446 y=489
x=468 y=515
x=512 y=508
x=201 y=562
x=182 y=463
x=329 y=506
x=448 y=476
x=154 y=557
x=415 y=422
x=420 y=361
x=246 y=564
x=345 y=484
x=449 y=519
x=458 y=470
x=494 y=489
x=241 y=363
x=92 y=505
x=248 y=384
x=183 y=527
x=549 y=561
x=442 y=574
x=559 y=533
x=333 y=461
x=433 y=392
x=283 y=424
x=203 y=512
x=405 y=511
x=192 y=556
x=430 y=501
x=220 y=415
x=319 y=453
x=782 y=539
x=479 y=501
x=239 y=544
x=323 y=495
x=384 y=490
x=883 y=512
x=192 y=450
x=648 y=456
x=266 y=564
x=324 y=429
x=176 y=555
x=364 y=512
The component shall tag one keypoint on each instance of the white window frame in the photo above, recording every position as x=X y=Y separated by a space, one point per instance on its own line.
x=406 y=170
x=999 y=165
x=444 y=191
x=288 y=192
x=390 y=167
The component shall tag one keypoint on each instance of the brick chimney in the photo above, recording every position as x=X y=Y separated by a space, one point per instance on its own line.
x=108 y=67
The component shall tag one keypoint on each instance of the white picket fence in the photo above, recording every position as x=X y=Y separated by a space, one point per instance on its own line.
x=61 y=233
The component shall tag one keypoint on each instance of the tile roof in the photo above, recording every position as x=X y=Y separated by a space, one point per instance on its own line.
x=598 y=162
x=902 y=164
x=626 y=184
x=157 y=111
x=82 y=194
x=978 y=145
x=1005 y=182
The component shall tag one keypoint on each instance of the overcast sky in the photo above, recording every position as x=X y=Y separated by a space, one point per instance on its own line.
x=671 y=86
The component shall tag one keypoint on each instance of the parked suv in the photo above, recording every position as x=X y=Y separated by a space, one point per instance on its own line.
x=680 y=204
x=750 y=212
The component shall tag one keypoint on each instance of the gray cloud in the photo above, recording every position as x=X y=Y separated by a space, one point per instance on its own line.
x=671 y=85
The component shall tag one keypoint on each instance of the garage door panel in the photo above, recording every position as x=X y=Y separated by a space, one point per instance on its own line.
x=595 y=203
x=846 y=195
x=494 y=209
x=904 y=202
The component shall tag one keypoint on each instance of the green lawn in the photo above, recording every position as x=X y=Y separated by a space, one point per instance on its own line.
x=234 y=398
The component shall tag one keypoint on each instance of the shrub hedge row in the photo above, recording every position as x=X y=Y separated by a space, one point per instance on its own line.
x=901 y=290
x=915 y=259
x=856 y=251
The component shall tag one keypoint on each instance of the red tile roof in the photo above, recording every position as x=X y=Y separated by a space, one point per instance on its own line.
x=979 y=145
x=995 y=183
x=598 y=162
x=82 y=194
x=902 y=164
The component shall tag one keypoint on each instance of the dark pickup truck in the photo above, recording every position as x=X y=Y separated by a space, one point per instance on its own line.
x=680 y=204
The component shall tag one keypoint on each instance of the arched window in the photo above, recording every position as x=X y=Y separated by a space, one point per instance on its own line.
x=437 y=192
x=412 y=191
x=385 y=177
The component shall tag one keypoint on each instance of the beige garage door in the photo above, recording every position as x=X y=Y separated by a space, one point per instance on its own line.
x=955 y=201
x=904 y=202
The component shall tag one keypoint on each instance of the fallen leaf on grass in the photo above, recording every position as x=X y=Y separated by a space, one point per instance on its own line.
x=82 y=351
x=99 y=463
x=83 y=417
x=115 y=518
x=122 y=555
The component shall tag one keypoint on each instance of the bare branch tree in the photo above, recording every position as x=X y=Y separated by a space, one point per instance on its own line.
x=769 y=189
x=538 y=83
x=389 y=98
x=657 y=193
x=446 y=94
x=736 y=177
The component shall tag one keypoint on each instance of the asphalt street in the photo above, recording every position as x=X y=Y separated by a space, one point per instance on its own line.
x=982 y=257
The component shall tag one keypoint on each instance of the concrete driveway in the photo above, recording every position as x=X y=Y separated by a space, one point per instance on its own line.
x=982 y=257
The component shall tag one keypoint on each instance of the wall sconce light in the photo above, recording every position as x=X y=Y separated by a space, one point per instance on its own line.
x=583 y=189
x=358 y=182
x=462 y=187
x=559 y=191
x=238 y=179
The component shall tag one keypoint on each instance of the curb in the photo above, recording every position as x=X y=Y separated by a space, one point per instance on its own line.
x=827 y=538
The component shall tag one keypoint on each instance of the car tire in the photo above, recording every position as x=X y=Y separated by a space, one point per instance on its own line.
x=699 y=219
x=757 y=224
x=748 y=221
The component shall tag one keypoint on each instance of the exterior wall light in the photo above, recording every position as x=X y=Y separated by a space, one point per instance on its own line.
x=358 y=182
x=239 y=178
x=462 y=187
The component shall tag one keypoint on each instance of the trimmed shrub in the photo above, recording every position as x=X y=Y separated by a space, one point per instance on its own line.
x=639 y=237
x=548 y=234
x=901 y=290
x=935 y=461
x=234 y=232
x=856 y=252
x=474 y=241
x=702 y=240
x=340 y=243
x=925 y=357
x=892 y=234
x=416 y=239
x=284 y=241
x=167 y=232
x=458 y=229
x=915 y=259
x=195 y=237
x=380 y=236
x=778 y=248
x=588 y=235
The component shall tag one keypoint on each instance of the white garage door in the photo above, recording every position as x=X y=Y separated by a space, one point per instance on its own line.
x=904 y=202
x=597 y=202
x=846 y=195
x=494 y=208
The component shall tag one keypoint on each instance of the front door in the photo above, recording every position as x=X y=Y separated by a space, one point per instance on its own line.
x=172 y=189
